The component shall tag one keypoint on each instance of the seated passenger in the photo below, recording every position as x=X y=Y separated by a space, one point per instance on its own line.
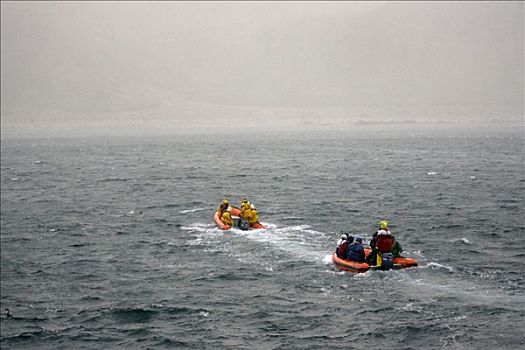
x=383 y=225
x=343 y=238
x=342 y=245
x=371 y=259
x=224 y=206
x=254 y=217
x=246 y=212
x=384 y=242
x=246 y=204
x=396 y=248
x=356 y=252
x=226 y=218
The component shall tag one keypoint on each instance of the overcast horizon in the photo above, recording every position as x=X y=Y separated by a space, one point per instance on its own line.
x=83 y=67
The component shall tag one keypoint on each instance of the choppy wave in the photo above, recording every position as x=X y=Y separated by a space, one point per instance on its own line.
x=127 y=255
x=435 y=265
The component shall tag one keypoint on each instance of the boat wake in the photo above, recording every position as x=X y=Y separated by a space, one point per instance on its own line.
x=299 y=240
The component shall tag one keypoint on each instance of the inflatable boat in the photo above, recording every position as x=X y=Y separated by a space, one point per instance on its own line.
x=356 y=267
x=235 y=212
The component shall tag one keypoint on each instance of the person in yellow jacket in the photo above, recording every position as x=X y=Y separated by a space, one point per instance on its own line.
x=245 y=204
x=246 y=212
x=226 y=218
x=254 y=217
x=224 y=206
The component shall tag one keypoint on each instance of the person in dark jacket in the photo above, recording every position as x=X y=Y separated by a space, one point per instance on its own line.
x=396 y=248
x=371 y=259
x=356 y=251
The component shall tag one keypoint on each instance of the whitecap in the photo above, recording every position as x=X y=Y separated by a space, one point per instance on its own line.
x=366 y=274
x=410 y=307
x=192 y=210
x=432 y=173
x=203 y=228
x=325 y=290
x=435 y=264
x=328 y=259
x=472 y=177
x=465 y=240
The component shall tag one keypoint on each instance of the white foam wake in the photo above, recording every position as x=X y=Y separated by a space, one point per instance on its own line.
x=328 y=259
x=299 y=240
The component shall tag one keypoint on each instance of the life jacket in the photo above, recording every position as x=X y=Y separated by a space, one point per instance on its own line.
x=340 y=251
x=246 y=213
x=226 y=220
x=254 y=218
x=384 y=243
x=356 y=252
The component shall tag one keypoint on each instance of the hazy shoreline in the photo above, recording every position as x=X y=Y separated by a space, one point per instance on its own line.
x=376 y=129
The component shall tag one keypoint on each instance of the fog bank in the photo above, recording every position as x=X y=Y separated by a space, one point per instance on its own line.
x=186 y=66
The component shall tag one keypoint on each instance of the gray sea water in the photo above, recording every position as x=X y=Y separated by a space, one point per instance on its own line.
x=109 y=243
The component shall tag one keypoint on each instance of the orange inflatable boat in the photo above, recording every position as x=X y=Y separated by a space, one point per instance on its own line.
x=234 y=212
x=354 y=266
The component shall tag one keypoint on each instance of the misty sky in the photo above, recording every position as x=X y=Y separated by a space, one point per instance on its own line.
x=167 y=61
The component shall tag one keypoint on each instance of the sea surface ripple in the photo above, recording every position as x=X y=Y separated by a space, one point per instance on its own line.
x=109 y=242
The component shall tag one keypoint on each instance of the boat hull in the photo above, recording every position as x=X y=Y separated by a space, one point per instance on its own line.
x=357 y=267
